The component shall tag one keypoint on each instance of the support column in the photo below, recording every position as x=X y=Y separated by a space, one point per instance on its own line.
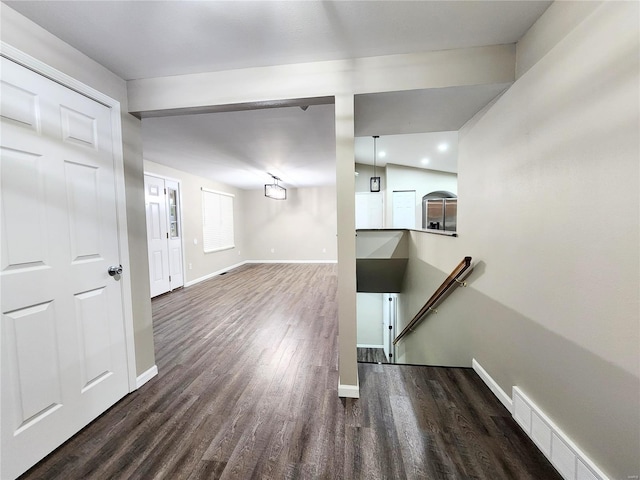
x=345 y=187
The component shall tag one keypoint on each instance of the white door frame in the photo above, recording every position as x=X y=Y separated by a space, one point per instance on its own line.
x=47 y=71
x=180 y=212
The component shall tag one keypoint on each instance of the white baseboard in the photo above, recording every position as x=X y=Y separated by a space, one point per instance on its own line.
x=564 y=455
x=227 y=269
x=365 y=345
x=213 y=274
x=493 y=385
x=291 y=261
x=348 y=391
x=146 y=376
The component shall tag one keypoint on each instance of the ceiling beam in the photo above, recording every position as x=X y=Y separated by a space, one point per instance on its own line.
x=318 y=80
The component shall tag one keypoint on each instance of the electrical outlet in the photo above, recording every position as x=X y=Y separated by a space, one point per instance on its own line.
x=190 y=266
x=273 y=250
x=324 y=250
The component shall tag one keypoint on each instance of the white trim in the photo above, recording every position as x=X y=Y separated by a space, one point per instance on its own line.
x=566 y=457
x=291 y=261
x=493 y=385
x=164 y=177
x=217 y=192
x=67 y=81
x=220 y=249
x=146 y=376
x=561 y=451
x=365 y=345
x=231 y=267
x=57 y=76
x=213 y=274
x=348 y=391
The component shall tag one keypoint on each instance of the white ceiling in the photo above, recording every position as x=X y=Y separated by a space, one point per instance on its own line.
x=238 y=148
x=143 y=39
x=434 y=151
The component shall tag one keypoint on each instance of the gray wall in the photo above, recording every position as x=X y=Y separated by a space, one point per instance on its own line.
x=302 y=227
x=549 y=189
x=28 y=37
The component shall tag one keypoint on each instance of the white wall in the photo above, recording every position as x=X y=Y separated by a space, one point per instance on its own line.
x=302 y=227
x=423 y=181
x=370 y=319
x=549 y=207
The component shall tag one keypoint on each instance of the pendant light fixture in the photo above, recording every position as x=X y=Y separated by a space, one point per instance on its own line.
x=275 y=191
x=374 y=182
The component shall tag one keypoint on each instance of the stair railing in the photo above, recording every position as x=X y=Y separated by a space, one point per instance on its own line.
x=452 y=280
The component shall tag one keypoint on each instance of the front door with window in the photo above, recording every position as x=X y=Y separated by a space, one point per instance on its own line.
x=164 y=234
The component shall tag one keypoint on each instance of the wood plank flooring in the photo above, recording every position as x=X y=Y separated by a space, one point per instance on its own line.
x=371 y=355
x=247 y=389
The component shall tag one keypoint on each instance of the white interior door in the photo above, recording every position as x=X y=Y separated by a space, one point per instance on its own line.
x=176 y=277
x=404 y=209
x=157 y=234
x=63 y=339
x=369 y=211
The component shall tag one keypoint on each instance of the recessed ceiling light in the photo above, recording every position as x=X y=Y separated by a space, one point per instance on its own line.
x=382 y=154
x=425 y=161
x=443 y=147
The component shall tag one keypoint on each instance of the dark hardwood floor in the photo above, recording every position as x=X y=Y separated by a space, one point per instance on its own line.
x=371 y=355
x=247 y=389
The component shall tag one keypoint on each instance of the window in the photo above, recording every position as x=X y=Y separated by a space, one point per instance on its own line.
x=173 y=213
x=217 y=221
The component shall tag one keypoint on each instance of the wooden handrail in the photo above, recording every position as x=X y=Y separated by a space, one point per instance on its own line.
x=451 y=280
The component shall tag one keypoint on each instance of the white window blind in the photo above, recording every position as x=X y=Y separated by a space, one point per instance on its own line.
x=217 y=221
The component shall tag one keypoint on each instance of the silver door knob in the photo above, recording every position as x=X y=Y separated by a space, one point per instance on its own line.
x=113 y=271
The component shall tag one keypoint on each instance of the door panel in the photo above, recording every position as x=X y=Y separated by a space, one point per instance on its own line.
x=404 y=209
x=93 y=324
x=369 y=210
x=156 y=210
x=82 y=205
x=63 y=341
x=36 y=375
x=24 y=228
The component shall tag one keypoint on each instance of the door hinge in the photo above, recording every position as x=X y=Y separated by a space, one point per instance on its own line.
x=169 y=278
x=165 y=191
x=390 y=327
x=167 y=234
